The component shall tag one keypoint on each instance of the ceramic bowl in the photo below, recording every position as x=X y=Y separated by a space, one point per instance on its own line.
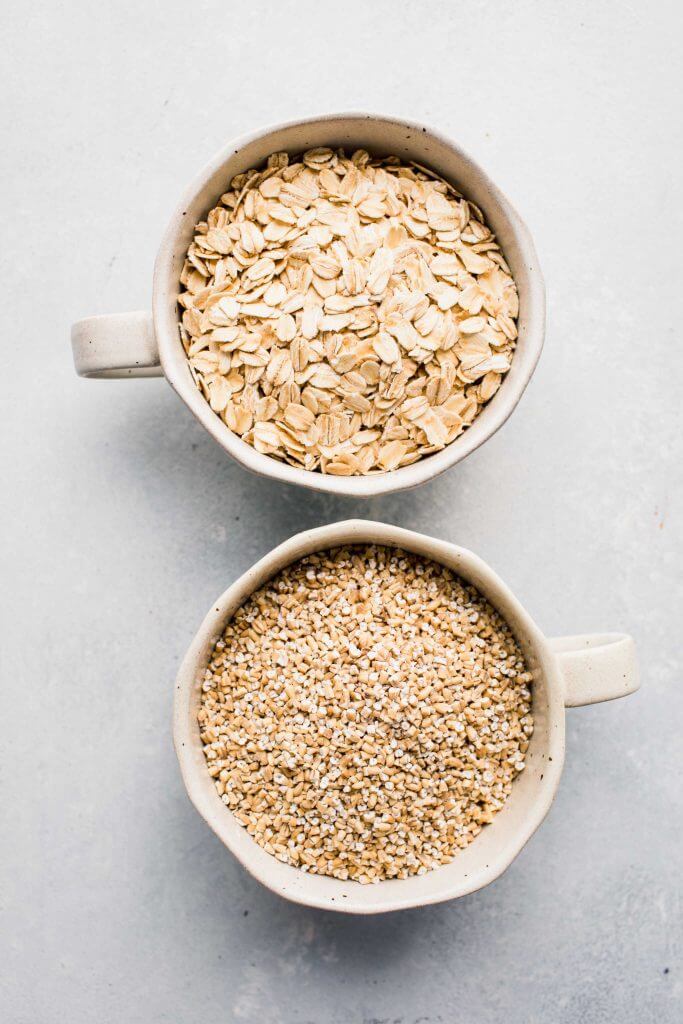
x=568 y=671
x=148 y=344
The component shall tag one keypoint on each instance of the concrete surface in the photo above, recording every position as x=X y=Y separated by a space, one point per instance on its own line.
x=121 y=519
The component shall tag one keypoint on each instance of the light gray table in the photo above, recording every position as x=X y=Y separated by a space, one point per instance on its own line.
x=121 y=519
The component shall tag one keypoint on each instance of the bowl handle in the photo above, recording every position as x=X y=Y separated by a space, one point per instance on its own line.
x=117 y=345
x=596 y=667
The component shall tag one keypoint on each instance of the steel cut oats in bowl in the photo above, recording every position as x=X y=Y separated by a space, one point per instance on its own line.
x=365 y=714
x=346 y=314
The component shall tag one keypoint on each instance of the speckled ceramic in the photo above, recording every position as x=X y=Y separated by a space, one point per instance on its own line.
x=148 y=344
x=567 y=672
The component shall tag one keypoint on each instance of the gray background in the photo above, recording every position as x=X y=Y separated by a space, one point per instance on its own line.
x=121 y=519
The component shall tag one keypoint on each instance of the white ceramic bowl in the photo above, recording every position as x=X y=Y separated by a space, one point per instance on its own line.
x=144 y=344
x=567 y=671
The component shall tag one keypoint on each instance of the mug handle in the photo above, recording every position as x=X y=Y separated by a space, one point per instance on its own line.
x=116 y=345
x=596 y=667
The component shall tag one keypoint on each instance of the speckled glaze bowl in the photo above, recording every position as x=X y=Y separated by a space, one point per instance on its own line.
x=567 y=672
x=148 y=344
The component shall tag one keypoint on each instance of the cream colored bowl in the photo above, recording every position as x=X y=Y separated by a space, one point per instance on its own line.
x=567 y=672
x=148 y=344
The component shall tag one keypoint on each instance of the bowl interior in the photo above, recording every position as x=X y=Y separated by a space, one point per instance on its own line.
x=498 y=843
x=380 y=136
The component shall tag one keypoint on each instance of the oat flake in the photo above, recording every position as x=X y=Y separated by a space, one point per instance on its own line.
x=348 y=287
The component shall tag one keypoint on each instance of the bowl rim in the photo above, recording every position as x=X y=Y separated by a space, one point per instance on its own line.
x=174 y=364
x=199 y=786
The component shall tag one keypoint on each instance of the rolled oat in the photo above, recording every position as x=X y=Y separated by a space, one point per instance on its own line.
x=346 y=314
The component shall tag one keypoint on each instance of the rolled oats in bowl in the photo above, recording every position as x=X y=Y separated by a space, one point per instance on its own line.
x=346 y=314
x=365 y=714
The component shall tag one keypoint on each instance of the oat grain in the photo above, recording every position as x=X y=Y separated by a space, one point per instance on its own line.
x=365 y=714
